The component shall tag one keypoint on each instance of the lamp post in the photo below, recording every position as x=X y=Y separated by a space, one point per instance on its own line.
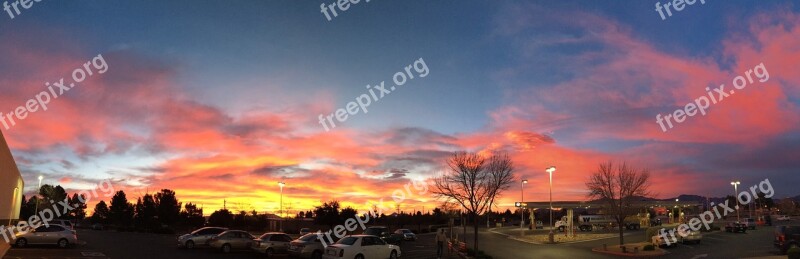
x=522 y=204
x=550 y=170
x=281 y=184
x=36 y=210
x=735 y=198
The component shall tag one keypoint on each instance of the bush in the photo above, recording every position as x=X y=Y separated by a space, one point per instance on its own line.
x=649 y=248
x=794 y=253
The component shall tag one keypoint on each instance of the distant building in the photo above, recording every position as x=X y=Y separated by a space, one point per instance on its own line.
x=11 y=185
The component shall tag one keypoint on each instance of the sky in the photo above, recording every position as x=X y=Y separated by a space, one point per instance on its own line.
x=221 y=100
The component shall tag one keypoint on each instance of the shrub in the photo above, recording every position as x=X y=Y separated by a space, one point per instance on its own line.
x=793 y=253
x=649 y=248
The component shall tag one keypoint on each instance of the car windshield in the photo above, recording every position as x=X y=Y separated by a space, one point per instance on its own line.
x=264 y=236
x=406 y=231
x=308 y=237
x=347 y=241
x=305 y=230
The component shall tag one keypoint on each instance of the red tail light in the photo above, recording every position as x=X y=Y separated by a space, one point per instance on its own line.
x=782 y=238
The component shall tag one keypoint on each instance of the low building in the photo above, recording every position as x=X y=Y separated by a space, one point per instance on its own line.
x=11 y=185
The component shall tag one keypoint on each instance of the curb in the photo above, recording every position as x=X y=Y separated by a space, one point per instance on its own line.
x=512 y=237
x=598 y=250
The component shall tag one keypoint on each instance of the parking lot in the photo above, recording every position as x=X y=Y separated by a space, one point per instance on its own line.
x=112 y=244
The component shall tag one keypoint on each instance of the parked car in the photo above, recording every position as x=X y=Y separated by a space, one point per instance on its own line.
x=304 y=231
x=361 y=247
x=308 y=247
x=407 y=234
x=272 y=243
x=691 y=237
x=784 y=218
x=658 y=240
x=199 y=237
x=787 y=237
x=232 y=240
x=98 y=226
x=736 y=227
x=54 y=234
x=750 y=223
x=385 y=234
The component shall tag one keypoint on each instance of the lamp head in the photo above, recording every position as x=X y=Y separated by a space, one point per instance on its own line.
x=525 y=181
x=41 y=177
x=551 y=169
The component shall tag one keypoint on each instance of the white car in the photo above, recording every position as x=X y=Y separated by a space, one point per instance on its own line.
x=691 y=237
x=784 y=218
x=47 y=235
x=200 y=237
x=361 y=247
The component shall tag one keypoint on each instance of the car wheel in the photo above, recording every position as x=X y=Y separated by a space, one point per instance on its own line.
x=22 y=242
x=269 y=253
x=316 y=255
x=190 y=244
x=226 y=248
x=561 y=228
x=63 y=243
x=393 y=255
x=359 y=257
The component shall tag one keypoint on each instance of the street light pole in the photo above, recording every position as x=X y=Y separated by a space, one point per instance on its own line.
x=550 y=170
x=735 y=198
x=522 y=204
x=36 y=210
x=281 y=184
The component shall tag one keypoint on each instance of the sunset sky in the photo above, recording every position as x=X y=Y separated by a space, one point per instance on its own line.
x=219 y=100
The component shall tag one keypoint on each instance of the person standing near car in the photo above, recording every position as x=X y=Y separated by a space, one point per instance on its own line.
x=440 y=239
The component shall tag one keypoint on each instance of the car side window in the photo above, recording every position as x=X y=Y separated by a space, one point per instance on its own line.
x=379 y=241
x=41 y=229
x=281 y=238
x=55 y=229
x=366 y=241
x=215 y=231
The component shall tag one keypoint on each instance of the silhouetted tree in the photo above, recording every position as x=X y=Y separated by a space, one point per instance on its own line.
x=221 y=218
x=79 y=212
x=121 y=211
x=101 y=213
x=327 y=214
x=193 y=215
x=617 y=186
x=146 y=213
x=168 y=206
